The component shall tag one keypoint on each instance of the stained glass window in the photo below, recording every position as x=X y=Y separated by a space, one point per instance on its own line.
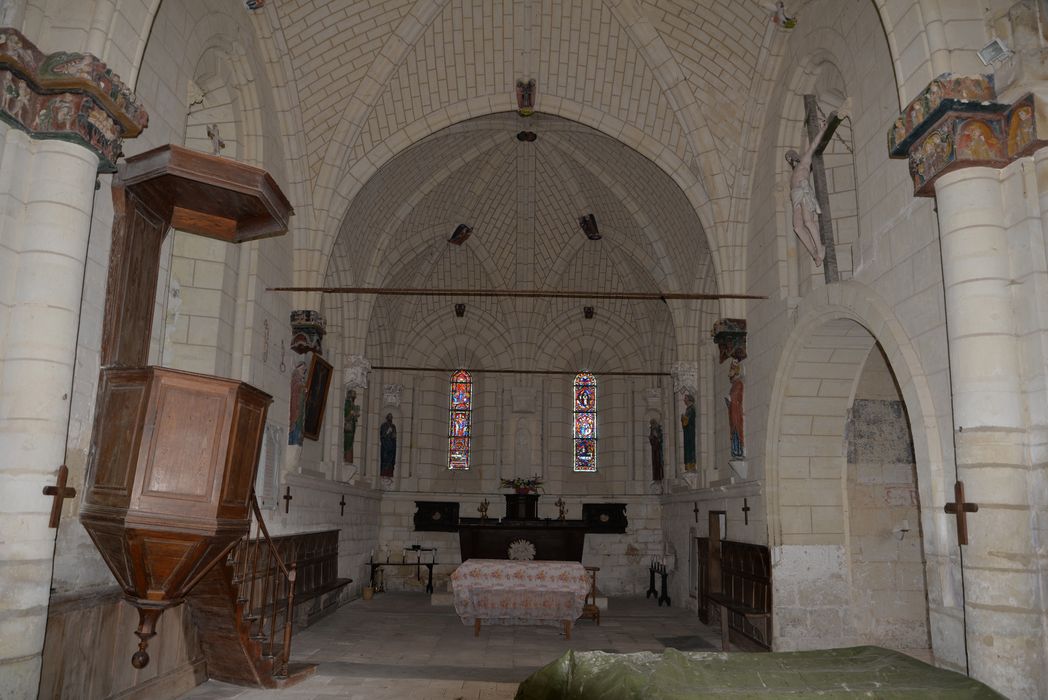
x=460 y=417
x=585 y=422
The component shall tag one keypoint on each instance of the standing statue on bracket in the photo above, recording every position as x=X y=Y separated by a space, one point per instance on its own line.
x=349 y=429
x=735 y=405
x=687 y=422
x=387 y=436
x=655 y=439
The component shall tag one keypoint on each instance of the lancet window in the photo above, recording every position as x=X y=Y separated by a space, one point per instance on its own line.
x=460 y=419
x=584 y=391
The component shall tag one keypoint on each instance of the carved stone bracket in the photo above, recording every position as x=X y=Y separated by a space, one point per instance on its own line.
x=356 y=372
x=956 y=123
x=391 y=394
x=685 y=377
x=307 y=331
x=730 y=336
x=67 y=96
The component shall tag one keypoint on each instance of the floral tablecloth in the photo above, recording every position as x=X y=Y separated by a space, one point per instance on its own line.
x=505 y=592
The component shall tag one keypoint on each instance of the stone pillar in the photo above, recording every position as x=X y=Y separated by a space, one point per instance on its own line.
x=956 y=148
x=48 y=187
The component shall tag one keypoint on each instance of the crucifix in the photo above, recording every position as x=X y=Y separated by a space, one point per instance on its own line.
x=342 y=506
x=745 y=512
x=806 y=203
x=961 y=508
x=695 y=510
x=287 y=499
x=59 y=492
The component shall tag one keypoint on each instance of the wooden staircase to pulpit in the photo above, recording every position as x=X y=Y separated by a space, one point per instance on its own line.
x=243 y=608
x=168 y=500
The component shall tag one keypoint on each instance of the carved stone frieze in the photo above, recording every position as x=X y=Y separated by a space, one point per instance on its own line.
x=67 y=96
x=685 y=378
x=307 y=329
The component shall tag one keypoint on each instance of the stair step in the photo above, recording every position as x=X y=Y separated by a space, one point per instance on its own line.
x=441 y=599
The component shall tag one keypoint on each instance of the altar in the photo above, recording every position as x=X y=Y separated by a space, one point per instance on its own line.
x=554 y=540
x=503 y=592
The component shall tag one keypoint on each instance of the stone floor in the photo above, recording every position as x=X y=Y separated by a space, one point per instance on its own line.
x=398 y=646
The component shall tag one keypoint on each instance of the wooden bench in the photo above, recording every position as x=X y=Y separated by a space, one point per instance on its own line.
x=317 y=586
x=742 y=591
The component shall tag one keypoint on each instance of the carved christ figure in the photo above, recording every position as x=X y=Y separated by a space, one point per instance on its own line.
x=802 y=195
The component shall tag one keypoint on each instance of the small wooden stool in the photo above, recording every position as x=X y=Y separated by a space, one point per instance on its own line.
x=590 y=609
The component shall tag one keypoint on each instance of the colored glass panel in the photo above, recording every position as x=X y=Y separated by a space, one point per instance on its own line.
x=585 y=455
x=584 y=427
x=584 y=430
x=460 y=423
x=458 y=453
x=585 y=397
x=460 y=418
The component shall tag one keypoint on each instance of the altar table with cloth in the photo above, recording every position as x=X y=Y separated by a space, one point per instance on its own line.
x=507 y=592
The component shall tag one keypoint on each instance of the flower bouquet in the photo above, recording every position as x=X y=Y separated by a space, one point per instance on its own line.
x=522 y=485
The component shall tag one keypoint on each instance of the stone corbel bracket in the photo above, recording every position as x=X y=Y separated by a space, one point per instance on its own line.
x=67 y=96
x=956 y=123
x=729 y=334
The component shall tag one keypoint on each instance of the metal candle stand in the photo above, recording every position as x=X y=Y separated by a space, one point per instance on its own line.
x=658 y=568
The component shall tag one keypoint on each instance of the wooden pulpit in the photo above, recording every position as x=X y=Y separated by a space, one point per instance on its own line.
x=173 y=454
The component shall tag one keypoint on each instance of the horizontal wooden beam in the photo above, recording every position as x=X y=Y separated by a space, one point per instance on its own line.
x=512 y=293
x=449 y=370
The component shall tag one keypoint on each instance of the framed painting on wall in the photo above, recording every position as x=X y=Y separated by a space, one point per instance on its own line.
x=317 y=382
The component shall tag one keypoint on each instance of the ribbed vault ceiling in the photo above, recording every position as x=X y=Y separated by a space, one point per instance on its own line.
x=523 y=201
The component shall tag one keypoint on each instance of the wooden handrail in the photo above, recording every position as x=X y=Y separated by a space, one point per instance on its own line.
x=263 y=608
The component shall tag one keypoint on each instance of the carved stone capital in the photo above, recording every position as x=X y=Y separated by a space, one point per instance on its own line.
x=685 y=377
x=68 y=96
x=730 y=336
x=356 y=372
x=955 y=123
x=307 y=331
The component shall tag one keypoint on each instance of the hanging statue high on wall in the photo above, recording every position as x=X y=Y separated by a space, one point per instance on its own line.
x=349 y=428
x=387 y=436
x=655 y=439
x=806 y=207
x=687 y=422
x=735 y=406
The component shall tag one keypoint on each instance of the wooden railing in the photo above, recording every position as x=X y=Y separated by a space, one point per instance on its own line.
x=266 y=592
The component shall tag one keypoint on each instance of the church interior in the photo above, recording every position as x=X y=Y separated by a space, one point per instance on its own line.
x=316 y=318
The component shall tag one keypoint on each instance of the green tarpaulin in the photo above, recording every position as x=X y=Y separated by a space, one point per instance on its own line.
x=869 y=672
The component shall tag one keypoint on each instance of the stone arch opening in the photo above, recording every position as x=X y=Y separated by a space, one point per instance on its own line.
x=846 y=496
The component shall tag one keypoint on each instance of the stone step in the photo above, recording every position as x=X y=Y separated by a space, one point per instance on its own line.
x=441 y=599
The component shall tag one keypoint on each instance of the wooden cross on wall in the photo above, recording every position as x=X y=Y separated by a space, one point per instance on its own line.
x=59 y=492
x=822 y=195
x=961 y=508
x=342 y=506
x=746 y=511
x=695 y=510
x=287 y=499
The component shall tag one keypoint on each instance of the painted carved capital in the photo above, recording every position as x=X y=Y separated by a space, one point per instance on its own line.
x=956 y=123
x=356 y=372
x=307 y=331
x=685 y=377
x=68 y=96
x=729 y=334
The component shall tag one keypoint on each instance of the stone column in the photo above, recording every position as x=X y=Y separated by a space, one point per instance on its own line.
x=956 y=154
x=48 y=187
